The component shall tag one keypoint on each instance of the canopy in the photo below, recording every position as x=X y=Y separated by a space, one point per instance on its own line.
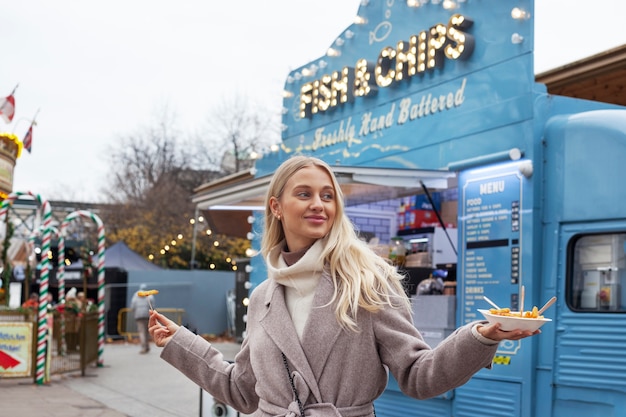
x=121 y=256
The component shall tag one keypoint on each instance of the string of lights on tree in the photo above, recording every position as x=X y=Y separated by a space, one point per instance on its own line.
x=179 y=238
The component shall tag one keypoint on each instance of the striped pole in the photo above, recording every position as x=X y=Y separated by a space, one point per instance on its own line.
x=42 y=320
x=101 y=250
x=35 y=233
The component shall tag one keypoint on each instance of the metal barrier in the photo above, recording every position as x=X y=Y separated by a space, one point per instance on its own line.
x=79 y=347
x=127 y=327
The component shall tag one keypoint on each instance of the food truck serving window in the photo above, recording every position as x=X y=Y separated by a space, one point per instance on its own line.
x=597 y=273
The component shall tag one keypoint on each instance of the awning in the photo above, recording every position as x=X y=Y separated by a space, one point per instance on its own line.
x=360 y=185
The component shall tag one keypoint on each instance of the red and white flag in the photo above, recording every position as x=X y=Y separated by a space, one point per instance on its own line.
x=7 y=108
x=28 y=139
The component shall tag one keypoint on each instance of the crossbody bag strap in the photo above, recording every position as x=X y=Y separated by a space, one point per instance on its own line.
x=293 y=386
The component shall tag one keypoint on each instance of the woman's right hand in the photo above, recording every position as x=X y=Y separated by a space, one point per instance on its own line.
x=161 y=328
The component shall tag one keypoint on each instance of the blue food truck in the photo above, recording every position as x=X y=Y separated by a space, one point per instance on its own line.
x=439 y=97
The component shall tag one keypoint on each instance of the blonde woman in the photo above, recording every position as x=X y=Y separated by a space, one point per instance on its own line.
x=329 y=321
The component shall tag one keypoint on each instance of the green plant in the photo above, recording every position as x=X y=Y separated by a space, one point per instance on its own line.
x=6 y=265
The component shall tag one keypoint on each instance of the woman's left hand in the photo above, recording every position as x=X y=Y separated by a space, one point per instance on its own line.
x=493 y=332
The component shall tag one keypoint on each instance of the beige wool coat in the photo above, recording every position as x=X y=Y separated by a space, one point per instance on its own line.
x=336 y=372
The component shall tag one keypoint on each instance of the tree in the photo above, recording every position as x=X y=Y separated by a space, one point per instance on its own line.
x=154 y=173
x=242 y=130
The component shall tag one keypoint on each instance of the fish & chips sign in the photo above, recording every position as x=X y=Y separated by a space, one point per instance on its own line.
x=421 y=53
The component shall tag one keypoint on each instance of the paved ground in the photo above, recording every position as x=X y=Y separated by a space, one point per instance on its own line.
x=128 y=384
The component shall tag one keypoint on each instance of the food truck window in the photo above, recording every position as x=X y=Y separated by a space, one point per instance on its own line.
x=597 y=273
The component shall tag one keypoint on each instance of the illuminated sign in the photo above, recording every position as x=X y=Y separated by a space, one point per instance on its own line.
x=423 y=52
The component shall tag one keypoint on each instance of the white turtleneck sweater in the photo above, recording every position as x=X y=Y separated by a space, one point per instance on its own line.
x=299 y=279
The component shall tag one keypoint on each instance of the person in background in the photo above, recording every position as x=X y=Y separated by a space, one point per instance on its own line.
x=81 y=299
x=32 y=302
x=329 y=322
x=140 y=307
x=72 y=317
x=72 y=303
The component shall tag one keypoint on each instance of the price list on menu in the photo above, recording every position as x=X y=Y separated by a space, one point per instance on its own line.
x=490 y=226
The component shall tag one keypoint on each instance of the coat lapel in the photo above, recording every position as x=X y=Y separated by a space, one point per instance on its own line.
x=321 y=330
x=280 y=329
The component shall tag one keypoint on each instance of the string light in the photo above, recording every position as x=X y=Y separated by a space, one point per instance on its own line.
x=208 y=232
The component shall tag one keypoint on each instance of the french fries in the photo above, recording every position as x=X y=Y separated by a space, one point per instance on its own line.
x=529 y=314
x=147 y=294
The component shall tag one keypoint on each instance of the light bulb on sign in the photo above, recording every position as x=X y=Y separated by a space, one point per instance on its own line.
x=519 y=14
x=333 y=52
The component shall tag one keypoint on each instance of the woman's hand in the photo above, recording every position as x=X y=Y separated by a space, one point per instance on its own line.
x=493 y=332
x=161 y=328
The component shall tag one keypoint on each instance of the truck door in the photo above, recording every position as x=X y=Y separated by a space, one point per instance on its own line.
x=589 y=357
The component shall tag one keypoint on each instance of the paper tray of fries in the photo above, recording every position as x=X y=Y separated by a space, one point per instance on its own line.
x=512 y=320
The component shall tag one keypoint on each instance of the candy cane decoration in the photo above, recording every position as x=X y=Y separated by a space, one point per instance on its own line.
x=98 y=222
x=31 y=241
x=44 y=278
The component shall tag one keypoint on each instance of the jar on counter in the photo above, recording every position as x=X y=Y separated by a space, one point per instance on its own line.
x=397 y=251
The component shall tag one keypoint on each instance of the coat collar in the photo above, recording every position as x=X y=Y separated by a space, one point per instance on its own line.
x=320 y=332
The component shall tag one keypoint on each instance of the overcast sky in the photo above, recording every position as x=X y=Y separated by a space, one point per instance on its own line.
x=102 y=70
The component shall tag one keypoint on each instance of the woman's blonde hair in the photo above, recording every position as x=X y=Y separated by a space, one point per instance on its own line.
x=361 y=277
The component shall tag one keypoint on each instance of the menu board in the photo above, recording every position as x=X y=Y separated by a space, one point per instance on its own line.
x=490 y=261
